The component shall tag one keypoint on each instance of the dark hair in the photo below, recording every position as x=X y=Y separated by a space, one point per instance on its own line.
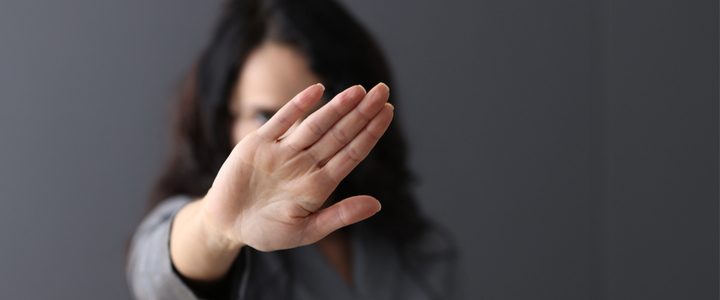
x=340 y=51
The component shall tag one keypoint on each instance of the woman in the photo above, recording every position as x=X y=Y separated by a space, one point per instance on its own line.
x=257 y=197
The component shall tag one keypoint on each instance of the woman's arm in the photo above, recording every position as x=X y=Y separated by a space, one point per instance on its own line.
x=198 y=252
x=268 y=193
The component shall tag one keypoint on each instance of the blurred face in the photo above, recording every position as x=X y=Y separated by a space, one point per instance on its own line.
x=272 y=75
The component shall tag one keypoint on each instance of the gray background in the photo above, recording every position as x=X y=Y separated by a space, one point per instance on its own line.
x=571 y=146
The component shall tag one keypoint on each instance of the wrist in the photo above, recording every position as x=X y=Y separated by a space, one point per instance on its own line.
x=199 y=251
x=216 y=237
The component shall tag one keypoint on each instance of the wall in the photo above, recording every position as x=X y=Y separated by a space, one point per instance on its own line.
x=571 y=146
x=85 y=87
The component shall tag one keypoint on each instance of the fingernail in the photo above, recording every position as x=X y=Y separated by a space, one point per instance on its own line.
x=391 y=106
x=321 y=85
x=388 y=88
x=362 y=87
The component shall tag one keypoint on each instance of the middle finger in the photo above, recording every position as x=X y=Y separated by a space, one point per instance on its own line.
x=345 y=130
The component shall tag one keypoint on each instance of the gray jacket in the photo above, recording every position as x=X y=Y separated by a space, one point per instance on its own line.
x=423 y=269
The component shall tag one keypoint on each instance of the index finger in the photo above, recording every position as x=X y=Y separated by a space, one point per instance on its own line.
x=291 y=112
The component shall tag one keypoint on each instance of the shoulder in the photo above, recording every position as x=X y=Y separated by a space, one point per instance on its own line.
x=163 y=212
x=169 y=206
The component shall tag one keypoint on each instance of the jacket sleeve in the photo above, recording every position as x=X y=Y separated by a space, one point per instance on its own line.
x=150 y=272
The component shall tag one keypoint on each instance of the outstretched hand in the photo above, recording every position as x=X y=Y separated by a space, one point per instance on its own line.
x=269 y=191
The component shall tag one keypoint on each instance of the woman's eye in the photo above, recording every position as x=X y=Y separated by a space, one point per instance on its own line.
x=263 y=116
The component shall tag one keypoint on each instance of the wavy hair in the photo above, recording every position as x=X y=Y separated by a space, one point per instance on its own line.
x=339 y=51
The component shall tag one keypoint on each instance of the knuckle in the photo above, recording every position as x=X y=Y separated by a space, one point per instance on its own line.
x=332 y=178
x=295 y=106
x=341 y=215
x=294 y=146
x=314 y=128
x=334 y=108
x=283 y=120
x=340 y=136
x=364 y=115
x=353 y=154
x=373 y=135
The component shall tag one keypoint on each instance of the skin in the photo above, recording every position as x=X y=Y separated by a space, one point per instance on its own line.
x=270 y=193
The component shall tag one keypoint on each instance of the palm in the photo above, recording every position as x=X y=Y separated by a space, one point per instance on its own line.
x=268 y=192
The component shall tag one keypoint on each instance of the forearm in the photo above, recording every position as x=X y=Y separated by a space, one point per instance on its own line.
x=198 y=251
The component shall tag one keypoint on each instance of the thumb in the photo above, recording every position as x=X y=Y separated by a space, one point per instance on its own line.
x=341 y=214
